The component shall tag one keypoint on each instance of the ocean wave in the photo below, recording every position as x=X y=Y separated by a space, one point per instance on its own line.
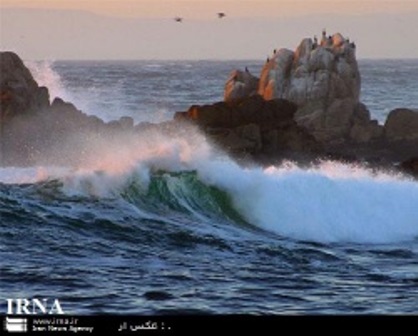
x=331 y=202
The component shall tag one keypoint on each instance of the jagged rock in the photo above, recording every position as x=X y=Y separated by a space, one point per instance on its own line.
x=240 y=84
x=402 y=124
x=19 y=92
x=323 y=80
x=32 y=130
x=67 y=117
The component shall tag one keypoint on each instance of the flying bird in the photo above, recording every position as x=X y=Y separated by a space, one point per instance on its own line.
x=221 y=15
x=178 y=19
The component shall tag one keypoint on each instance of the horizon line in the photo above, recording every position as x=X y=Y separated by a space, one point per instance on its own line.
x=383 y=58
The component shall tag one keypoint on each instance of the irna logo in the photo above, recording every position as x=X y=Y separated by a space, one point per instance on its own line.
x=34 y=307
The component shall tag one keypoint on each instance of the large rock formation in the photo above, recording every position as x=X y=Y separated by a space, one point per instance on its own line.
x=324 y=81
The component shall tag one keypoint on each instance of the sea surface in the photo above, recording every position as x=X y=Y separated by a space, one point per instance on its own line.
x=173 y=226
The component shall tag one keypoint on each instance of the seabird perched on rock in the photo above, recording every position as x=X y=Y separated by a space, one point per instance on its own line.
x=178 y=19
x=221 y=15
x=246 y=69
x=330 y=41
x=324 y=39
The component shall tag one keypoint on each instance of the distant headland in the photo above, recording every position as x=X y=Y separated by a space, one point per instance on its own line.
x=304 y=106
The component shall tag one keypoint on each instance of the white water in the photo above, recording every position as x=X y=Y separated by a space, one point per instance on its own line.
x=332 y=203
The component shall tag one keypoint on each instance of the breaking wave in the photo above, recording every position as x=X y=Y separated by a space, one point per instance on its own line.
x=331 y=202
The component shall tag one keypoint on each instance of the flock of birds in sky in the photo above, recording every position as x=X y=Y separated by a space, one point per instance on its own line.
x=180 y=19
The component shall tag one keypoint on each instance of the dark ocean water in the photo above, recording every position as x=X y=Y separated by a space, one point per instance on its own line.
x=170 y=225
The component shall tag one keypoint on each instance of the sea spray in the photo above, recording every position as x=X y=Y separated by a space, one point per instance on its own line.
x=108 y=98
x=45 y=75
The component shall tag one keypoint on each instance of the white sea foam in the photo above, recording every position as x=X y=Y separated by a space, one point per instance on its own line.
x=330 y=203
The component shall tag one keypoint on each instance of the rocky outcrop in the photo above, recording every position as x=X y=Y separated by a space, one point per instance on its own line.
x=240 y=84
x=19 y=92
x=33 y=131
x=323 y=79
x=253 y=126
